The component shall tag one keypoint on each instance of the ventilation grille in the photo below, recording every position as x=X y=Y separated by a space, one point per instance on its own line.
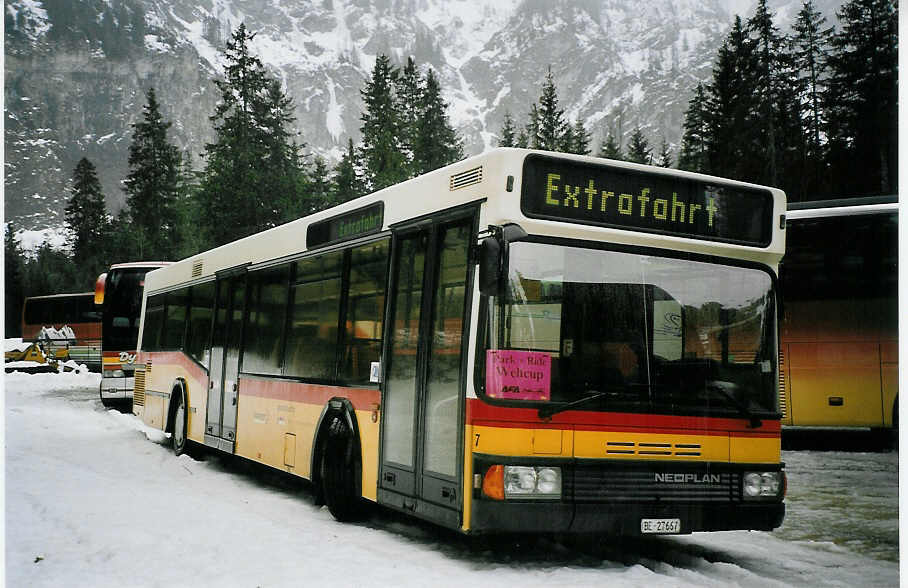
x=467 y=178
x=662 y=449
x=597 y=484
x=196 y=269
x=783 y=400
x=138 y=394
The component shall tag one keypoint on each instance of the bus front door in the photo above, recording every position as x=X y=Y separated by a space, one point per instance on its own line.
x=223 y=378
x=422 y=429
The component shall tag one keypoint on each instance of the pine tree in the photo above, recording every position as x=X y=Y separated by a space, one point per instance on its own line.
x=347 y=182
x=778 y=127
x=253 y=170
x=507 y=137
x=382 y=150
x=152 y=184
x=610 y=149
x=863 y=97
x=551 y=123
x=695 y=143
x=86 y=217
x=283 y=165
x=638 y=149
x=811 y=42
x=665 y=154
x=529 y=137
x=319 y=188
x=437 y=144
x=408 y=99
x=14 y=272
x=191 y=240
x=730 y=109
x=576 y=139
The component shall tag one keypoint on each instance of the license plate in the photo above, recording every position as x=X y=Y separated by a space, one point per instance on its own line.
x=662 y=526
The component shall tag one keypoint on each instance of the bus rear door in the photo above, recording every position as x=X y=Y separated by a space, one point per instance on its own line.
x=223 y=378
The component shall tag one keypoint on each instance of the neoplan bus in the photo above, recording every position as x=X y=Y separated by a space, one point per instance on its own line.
x=520 y=342
x=118 y=293
x=840 y=328
x=56 y=312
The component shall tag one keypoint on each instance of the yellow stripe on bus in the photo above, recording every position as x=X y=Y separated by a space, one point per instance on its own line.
x=620 y=445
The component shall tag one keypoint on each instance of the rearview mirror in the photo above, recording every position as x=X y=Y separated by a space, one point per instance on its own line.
x=489 y=266
x=493 y=257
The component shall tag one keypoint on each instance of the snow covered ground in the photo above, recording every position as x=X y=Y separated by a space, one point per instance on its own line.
x=93 y=498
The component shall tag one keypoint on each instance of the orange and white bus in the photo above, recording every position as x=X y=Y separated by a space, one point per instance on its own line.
x=840 y=329
x=54 y=313
x=521 y=341
x=118 y=293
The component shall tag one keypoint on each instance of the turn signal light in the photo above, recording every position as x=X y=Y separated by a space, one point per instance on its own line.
x=493 y=483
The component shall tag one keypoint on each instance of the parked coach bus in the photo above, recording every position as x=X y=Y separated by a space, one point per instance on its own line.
x=839 y=279
x=76 y=311
x=118 y=293
x=522 y=341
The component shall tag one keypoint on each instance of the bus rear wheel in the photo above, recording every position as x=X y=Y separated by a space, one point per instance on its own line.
x=340 y=471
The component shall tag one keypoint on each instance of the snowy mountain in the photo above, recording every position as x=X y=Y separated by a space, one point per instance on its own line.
x=616 y=63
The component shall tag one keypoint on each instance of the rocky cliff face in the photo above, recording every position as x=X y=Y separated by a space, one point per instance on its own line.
x=617 y=64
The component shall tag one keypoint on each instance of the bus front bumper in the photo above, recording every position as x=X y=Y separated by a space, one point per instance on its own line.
x=620 y=519
x=117 y=388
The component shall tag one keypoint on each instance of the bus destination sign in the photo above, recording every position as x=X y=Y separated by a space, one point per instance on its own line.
x=602 y=195
x=346 y=226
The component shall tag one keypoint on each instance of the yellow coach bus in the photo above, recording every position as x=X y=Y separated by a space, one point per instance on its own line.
x=519 y=342
x=840 y=328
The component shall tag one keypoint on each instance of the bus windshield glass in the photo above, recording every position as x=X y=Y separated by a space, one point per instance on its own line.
x=630 y=332
x=122 y=305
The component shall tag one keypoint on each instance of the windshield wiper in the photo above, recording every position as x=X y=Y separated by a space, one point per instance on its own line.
x=547 y=412
x=724 y=389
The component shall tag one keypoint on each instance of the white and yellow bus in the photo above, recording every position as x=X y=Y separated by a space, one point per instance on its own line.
x=840 y=328
x=519 y=342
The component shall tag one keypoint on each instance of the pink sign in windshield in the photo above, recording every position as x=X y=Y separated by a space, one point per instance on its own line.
x=518 y=375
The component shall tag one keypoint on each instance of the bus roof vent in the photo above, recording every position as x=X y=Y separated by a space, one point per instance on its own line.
x=197 y=269
x=467 y=178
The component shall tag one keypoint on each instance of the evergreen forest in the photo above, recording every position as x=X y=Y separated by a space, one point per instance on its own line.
x=812 y=110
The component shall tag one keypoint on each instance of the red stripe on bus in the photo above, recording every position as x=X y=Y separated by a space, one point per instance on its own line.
x=163 y=358
x=478 y=412
x=264 y=387
x=289 y=391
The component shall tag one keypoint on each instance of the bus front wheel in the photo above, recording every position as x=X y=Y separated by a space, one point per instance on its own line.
x=339 y=471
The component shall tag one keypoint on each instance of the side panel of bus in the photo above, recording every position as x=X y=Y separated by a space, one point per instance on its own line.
x=261 y=353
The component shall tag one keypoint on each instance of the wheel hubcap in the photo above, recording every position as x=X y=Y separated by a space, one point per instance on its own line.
x=178 y=425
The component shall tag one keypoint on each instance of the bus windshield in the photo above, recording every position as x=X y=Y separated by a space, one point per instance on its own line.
x=122 y=305
x=630 y=332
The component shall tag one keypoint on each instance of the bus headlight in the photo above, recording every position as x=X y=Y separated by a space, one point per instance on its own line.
x=763 y=484
x=114 y=374
x=532 y=482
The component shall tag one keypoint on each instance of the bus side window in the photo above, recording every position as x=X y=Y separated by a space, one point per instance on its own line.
x=175 y=323
x=154 y=320
x=314 y=314
x=364 y=314
x=200 y=313
x=264 y=331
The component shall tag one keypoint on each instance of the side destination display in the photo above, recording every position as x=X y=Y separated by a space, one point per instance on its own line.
x=346 y=226
x=615 y=197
